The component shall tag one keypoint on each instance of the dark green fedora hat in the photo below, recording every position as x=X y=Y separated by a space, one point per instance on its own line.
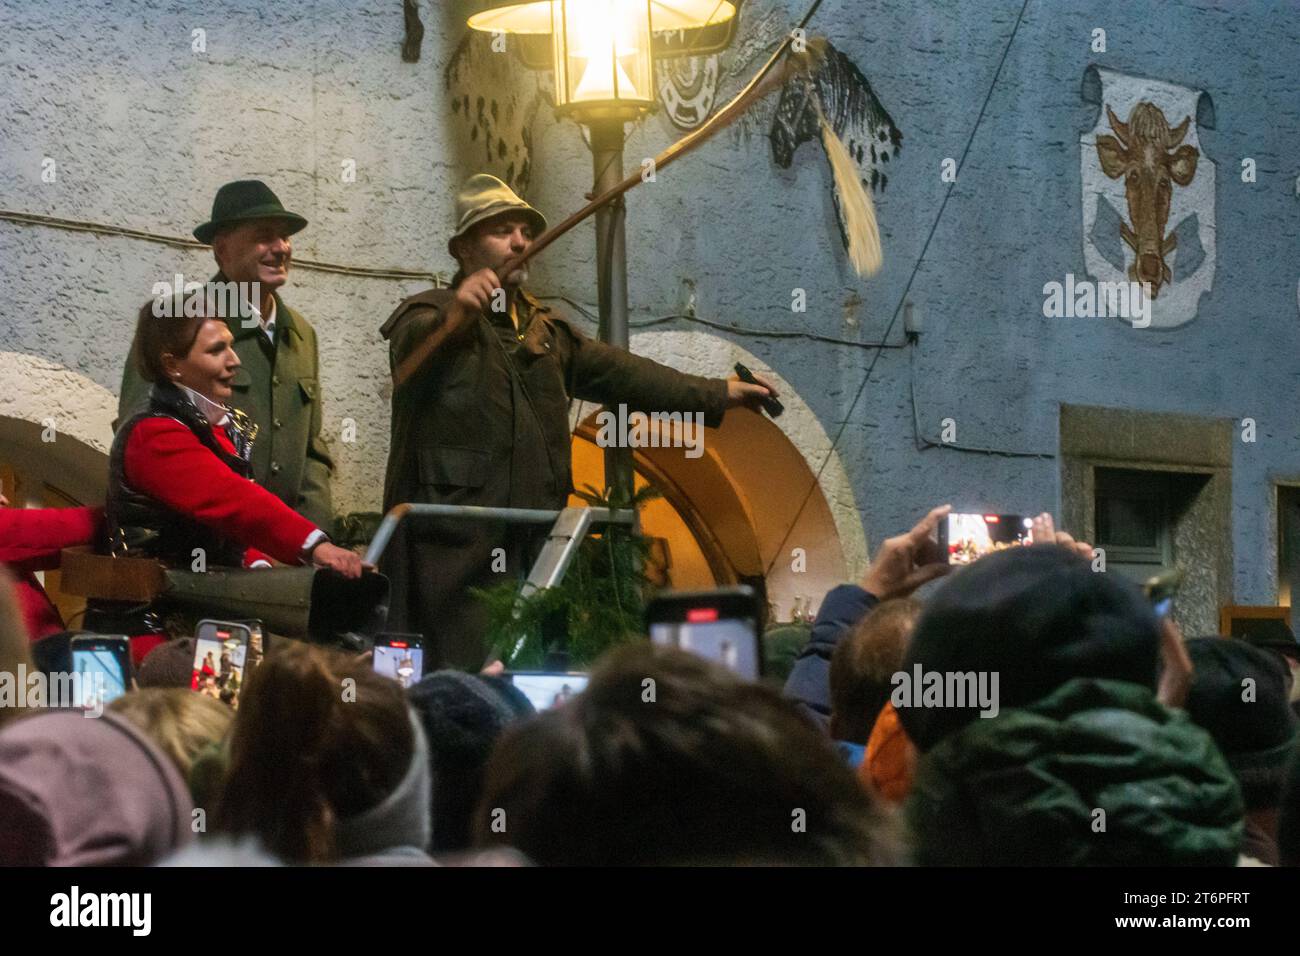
x=243 y=200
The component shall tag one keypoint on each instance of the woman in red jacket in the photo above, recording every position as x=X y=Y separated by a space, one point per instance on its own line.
x=179 y=486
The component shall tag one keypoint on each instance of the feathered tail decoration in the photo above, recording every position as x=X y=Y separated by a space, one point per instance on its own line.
x=857 y=212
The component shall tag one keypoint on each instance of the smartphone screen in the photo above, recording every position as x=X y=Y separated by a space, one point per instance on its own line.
x=256 y=642
x=720 y=625
x=730 y=642
x=547 y=689
x=967 y=537
x=401 y=658
x=103 y=666
x=220 y=659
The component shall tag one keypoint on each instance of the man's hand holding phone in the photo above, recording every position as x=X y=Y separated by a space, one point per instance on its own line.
x=1044 y=532
x=746 y=388
x=905 y=562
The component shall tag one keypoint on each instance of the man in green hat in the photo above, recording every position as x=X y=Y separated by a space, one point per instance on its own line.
x=484 y=420
x=278 y=383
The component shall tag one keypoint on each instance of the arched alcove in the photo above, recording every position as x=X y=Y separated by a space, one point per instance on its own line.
x=741 y=508
x=55 y=422
x=55 y=432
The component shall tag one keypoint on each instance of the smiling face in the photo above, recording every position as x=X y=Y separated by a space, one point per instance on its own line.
x=255 y=251
x=493 y=243
x=210 y=365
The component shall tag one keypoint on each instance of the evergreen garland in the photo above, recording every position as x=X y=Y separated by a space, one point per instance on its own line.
x=599 y=603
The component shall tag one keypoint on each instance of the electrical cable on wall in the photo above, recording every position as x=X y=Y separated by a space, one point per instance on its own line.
x=923 y=443
x=722 y=327
x=439 y=279
x=777 y=552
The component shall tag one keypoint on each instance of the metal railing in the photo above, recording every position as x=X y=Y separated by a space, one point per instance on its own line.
x=569 y=526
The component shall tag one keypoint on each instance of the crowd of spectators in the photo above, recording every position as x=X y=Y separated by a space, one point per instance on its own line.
x=1026 y=710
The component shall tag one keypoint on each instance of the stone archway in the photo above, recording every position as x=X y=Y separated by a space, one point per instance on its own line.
x=56 y=427
x=735 y=511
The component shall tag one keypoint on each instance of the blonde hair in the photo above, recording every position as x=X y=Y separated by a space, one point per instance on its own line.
x=179 y=721
x=15 y=648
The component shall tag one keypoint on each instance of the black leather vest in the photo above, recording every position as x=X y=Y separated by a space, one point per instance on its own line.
x=140 y=526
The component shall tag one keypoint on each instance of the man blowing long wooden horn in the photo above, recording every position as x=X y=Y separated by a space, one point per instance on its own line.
x=485 y=420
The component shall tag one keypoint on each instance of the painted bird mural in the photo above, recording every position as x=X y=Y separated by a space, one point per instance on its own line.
x=843 y=95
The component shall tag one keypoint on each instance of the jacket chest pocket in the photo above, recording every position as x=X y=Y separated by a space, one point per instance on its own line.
x=538 y=362
x=309 y=388
x=537 y=345
x=455 y=467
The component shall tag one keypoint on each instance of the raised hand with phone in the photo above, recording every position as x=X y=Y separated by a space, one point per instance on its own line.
x=905 y=562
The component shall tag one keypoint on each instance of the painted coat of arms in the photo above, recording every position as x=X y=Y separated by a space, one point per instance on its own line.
x=1148 y=191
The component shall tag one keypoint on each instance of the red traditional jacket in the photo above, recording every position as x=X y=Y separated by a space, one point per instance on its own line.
x=31 y=540
x=167 y=462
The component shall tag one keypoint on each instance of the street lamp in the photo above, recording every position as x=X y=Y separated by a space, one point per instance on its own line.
x=601 y=52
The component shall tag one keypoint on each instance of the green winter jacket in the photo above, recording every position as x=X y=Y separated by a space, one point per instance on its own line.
x=1096 y=773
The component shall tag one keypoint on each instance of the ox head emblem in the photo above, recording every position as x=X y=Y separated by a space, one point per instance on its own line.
x=1144 y=152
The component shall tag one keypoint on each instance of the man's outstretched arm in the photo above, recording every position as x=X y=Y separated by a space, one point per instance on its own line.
x=611 y=376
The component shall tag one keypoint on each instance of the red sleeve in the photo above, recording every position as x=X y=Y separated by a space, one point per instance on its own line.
x=167 y=462
x=252 y=555
x=32 y=538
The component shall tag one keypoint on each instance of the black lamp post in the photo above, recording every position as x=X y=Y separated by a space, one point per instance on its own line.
x=602 y=52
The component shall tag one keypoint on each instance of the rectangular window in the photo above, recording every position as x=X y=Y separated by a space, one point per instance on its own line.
x=1134 y=512
x=1288 y=542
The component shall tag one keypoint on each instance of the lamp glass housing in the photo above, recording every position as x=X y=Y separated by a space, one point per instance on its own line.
x=602 y=55
x=675 y=27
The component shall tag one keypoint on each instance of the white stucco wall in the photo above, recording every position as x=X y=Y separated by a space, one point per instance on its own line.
x=142 y=129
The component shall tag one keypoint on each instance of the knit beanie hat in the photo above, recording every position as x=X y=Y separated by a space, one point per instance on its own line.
x=1035 y=617
x=466 y=712
x=1239 y=695
x=463 y=715
x=170 y=664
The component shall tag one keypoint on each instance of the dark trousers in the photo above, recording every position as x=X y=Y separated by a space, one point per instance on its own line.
x=433 y=563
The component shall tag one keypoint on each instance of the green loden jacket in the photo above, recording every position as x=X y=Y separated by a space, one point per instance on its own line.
x=279 y=389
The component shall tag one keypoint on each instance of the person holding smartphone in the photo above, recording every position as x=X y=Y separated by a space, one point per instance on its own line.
x=179 y=470
x=902 y=564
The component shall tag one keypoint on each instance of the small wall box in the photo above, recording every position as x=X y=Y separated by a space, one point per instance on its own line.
x=1240 y=620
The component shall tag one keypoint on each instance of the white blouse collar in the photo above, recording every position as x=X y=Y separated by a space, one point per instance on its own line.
x=215 y=413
